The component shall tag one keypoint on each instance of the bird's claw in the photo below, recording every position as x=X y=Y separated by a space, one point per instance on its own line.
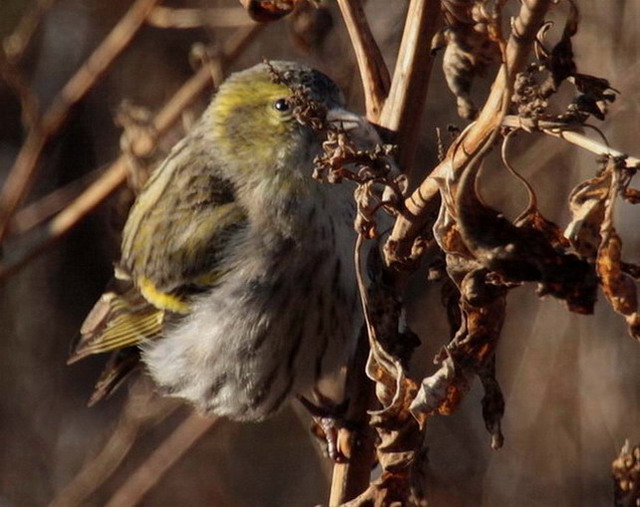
x=328 y=418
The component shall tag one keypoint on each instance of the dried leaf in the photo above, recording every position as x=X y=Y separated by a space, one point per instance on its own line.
x=618 y=287
x=559 y=61
x=400 y=434
x=595 y=94
x=587 y=205
x=492 y=403
x=631 y=195
x=309 y=26
x=471 y=350
x=471 y=47
x=521 y=253
x=137 y=142
x=625 y=470
x=533 y=219
x=475 y=306
x=268 y=10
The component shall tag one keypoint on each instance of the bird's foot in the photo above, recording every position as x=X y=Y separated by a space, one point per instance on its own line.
x=328 y=418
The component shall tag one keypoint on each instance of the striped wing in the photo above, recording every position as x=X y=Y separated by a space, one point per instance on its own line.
x=174 y=245
x=179 y=228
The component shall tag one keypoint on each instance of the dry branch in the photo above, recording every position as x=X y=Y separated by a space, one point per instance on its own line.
x=420 y=206
x=403 y=107
x=142 y=410
x=400 y=113
x=373 y=71
x=401 y=435
x=215 y=17
x=38 y=212
x=26 y=165
x=18 y=41
x=116 y=174
x=16 y=81
x=572 y=136
x=351 y=478
x=166 y=455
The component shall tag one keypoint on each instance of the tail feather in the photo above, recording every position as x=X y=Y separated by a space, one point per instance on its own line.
x=119 y=366
x=118 y=321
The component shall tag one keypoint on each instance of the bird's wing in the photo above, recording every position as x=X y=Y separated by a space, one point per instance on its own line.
x=174 y=245
x=122 y=317
x=180 y=228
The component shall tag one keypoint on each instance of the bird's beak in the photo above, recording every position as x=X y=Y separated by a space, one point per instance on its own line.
x=346 y=120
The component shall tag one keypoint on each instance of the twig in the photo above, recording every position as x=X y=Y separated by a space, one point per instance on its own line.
x=142 y=410
x=116 y=174
x=420 y=205
x=577 y=138
x=403 y=108
x=351 y=478
x=16 y=44
x=12 y=76
x=373 y=71
x=43 y=209
x=166 y=455
x=400 y=113
x=215 y=17
x=26 y=164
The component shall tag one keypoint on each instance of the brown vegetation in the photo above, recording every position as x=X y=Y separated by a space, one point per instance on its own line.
x=568 y=384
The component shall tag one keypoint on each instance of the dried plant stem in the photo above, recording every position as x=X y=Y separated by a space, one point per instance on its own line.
x=93 y=474
x=167 y=454
x=142 y=410
x=116 y=174
x=400 y=112
x=575 y=137
x=16 y=81
x=373 y=71
x=403 y=108
x=419 y=206
x=351 y=478
x=26 y=164
x=43 y=209
x=16 y=44
x=215 y=17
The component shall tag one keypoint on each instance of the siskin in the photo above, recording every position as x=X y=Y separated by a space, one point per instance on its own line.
x=236 y=283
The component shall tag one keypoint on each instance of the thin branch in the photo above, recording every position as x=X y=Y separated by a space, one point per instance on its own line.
x=43 y=209
x=15 y=44
x=12 y=76
x=215 y=17
x=400 y=113
x=116 y=174
x=351 y=478
x=142 y=410
x=577 y=138
x=166 y=455
x=403 y=108
x=373 y=71
x=26 y=165
x=420 y=206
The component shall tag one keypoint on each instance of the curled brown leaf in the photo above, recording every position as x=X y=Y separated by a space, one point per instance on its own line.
x=471 y=48
x=587 y=205
x=268 y=10
x=625 y=470
x=618 y=287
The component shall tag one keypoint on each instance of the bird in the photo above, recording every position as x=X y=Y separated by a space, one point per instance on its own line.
x=236 y=287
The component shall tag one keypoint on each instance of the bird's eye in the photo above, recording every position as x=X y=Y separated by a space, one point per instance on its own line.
x=282 y=105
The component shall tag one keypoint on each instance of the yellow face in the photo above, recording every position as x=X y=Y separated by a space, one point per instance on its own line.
x=255 y=117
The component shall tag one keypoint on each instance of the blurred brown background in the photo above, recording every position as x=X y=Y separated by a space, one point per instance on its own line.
x=570 y=382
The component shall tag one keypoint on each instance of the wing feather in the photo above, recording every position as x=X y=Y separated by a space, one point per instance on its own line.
x=174 y=244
